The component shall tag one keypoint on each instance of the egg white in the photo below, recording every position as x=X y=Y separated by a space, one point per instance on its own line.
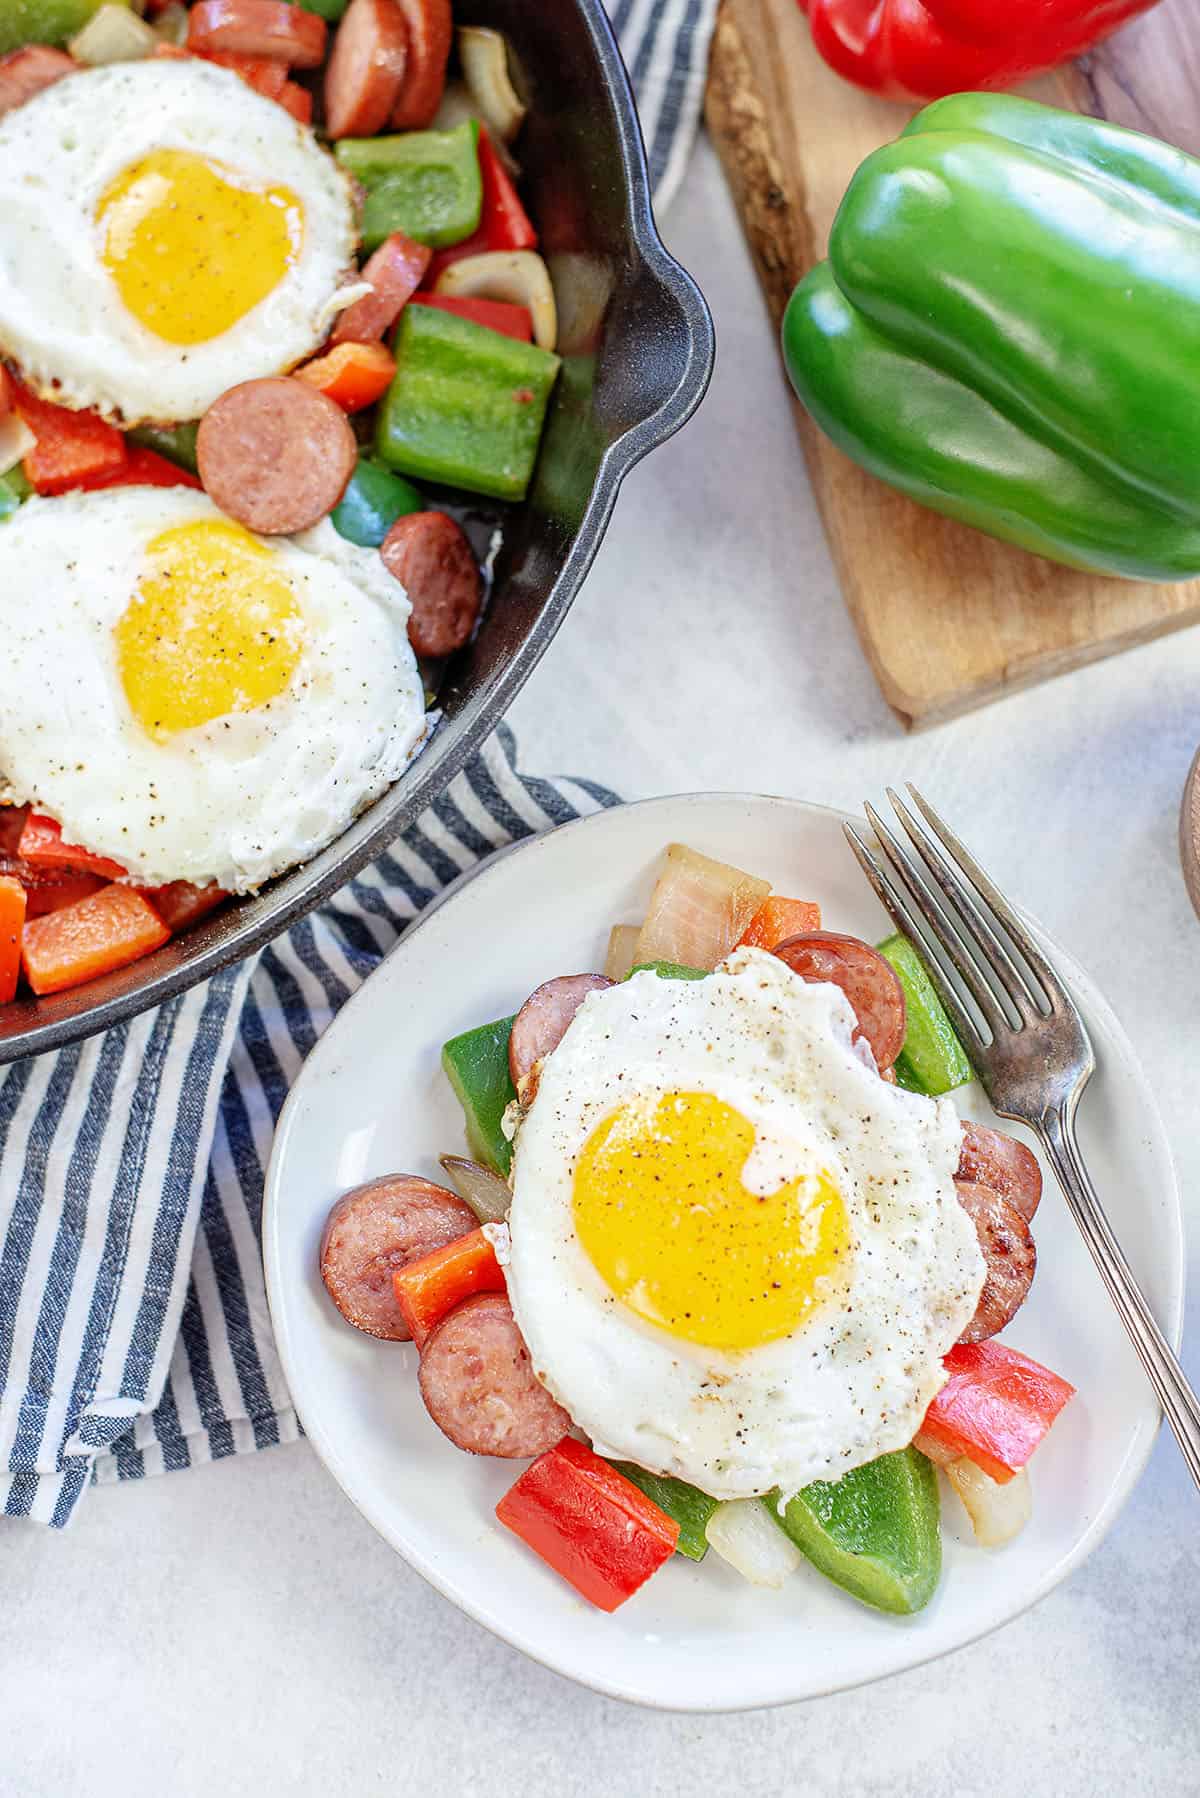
x=851 y=1382
x=244 y=796
x=61 y=315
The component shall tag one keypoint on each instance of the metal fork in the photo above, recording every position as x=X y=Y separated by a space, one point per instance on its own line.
x=1026 y=1040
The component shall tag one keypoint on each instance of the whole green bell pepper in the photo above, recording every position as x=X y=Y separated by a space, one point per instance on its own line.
x=1008 y=330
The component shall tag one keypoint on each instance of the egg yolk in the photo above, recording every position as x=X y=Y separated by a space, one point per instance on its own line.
x=191 y=248
x=662 y=1209
x=213 y=628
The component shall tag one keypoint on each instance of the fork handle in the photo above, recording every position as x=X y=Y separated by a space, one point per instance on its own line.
x=1180 y=1404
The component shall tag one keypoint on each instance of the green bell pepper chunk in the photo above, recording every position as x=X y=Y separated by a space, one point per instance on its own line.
x=932 y=1059
x=466 y=405
x=176 y=442
x=424 y=183
x=876 y=1532
x=329 y=10
x=669 y=970
x=374 y=499
x=690 y=1507
x=43 y=21
x=476 y=1065
x=13 y=489
x=1008 y=330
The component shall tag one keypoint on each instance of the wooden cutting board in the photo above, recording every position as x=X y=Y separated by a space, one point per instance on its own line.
x=948 y=618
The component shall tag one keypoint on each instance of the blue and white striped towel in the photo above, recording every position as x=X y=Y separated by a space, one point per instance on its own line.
x=134 y=1334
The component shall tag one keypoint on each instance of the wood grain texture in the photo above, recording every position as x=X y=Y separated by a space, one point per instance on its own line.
x=1189 y=834
x=948 y=618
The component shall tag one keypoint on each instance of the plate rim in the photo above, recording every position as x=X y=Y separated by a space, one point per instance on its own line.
x=1099 y=1525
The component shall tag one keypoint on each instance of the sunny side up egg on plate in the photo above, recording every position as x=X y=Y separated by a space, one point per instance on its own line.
x=716 y=1160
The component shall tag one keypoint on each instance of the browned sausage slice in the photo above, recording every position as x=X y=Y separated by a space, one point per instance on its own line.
x=275 y=454
x=395 y=272
x=542 y=1021
x=431 y=558
x=258 y=28
x=1008 y=1248
x=479 y=1386
x=990 y=1158
x=868 y=981
x=24 y=73
x=366 y=68
x=376 y=1228
x=430 y=33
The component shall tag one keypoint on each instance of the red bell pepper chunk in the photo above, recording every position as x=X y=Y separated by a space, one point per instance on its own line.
x=995 y=1407
x=909 y=50
x=181 y=903
x=12 y=922
x=494 y=315
x=41 y=842
x=72 y=448
x=506 y=224
x=352 y=375
x=429 y=1289
x=776 y=920
x=144 y=468
x=589 y=1523
x=94 y=936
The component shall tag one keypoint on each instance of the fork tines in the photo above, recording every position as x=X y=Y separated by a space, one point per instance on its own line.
x=942 y=899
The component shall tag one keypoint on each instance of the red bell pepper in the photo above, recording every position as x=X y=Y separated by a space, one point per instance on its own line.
x=589 y=1523
x=429 y=1289
x=494 y=315
x=143 y=468
x=504 y=223
x=995 y=1407
x=72 y=448
x=94 y=936
x=12 y=922
x=41 y=842
x=922 y=49
x=181 y=903
x=776 y=920
x=353 y=375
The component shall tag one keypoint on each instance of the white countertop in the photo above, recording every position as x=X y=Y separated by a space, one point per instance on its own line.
x=240 y=1629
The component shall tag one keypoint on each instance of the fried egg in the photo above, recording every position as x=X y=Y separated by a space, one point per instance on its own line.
x=735 y=1253
x=165 y=232
x=196 y=702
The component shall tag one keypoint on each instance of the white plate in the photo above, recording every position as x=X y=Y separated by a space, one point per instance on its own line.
x=372 y=1099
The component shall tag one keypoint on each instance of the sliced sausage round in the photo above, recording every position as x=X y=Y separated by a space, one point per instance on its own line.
x=430 y=556
x=366 y=68
x=990 y=1158
x=275 y=454
x=272 y=28
x=376 y=1228
x=395 y=272
x=24 y=73
x=1008 y=1248
x=542 y=1021
x=479 y=1386
x=430 y=34
x=868 y=981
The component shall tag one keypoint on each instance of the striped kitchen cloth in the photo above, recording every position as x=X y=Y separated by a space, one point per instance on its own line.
x=134 y=1334
x=665 y=46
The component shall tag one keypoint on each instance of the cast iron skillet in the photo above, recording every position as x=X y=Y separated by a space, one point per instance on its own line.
x=637 y=345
